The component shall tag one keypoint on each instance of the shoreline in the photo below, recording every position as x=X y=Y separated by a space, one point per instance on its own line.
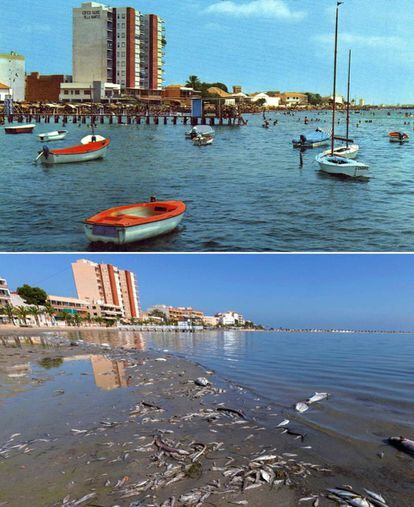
x=243 y=440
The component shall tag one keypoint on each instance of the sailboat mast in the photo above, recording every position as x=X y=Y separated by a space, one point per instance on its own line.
x=334 y=80
x=348 y=99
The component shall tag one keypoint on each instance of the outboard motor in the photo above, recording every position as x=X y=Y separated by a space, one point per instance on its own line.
x=46 y=151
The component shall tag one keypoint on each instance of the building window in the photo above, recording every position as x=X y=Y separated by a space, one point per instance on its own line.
x=66 y=92
x=77 y=92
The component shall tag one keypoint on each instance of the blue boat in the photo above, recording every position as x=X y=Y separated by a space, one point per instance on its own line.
x=312 y=140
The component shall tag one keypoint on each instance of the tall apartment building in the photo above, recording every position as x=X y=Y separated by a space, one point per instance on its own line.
x=118 y=45
x=104 y=283
x=4 y=292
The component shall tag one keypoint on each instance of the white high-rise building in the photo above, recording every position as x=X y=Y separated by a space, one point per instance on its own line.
x=118 y=45
x=13 y=74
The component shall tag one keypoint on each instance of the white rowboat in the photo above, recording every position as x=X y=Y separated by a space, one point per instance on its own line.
x=57 y=135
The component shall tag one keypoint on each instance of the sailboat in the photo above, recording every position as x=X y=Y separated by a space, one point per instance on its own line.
x=331 y=162
x=349 y=150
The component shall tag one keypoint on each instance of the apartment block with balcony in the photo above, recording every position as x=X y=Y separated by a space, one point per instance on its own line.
x=118 y=45
x=107 y=285
x=4 y=292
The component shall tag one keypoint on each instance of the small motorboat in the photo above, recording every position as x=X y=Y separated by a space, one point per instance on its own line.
x=136 y=222
x=20 y=129
x=312 y=140
x=57 y=135
x=350 y=151
x=203 y=140
x=398 y=137
x=332 y=164
x=81 y=153
x=199 y=130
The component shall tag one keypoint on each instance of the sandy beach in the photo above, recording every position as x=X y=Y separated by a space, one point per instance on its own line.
x=162 y=440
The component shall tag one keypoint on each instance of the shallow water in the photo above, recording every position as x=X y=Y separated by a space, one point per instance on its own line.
x=245 y=192
x=370 y=377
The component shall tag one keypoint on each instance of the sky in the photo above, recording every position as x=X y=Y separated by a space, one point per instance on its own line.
x=353 y=291
x=284 y=45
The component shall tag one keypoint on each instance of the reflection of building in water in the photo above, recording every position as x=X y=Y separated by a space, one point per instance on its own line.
x=132 y=340
x=109 y=374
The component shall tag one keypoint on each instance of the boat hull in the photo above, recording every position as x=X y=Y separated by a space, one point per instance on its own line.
x=46 y=138
x=122 y=235
x=76 y=154
x=348 y=168
x=350 y=152
x=23 y=129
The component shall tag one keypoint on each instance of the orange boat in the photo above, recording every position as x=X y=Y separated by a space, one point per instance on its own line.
x=398 y=137
x=135 y=222
x=80 y=153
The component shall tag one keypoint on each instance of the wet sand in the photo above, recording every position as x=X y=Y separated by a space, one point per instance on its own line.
x=132 y=428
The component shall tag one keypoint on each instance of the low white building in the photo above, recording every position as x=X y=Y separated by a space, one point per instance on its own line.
x=89 y=92
x=269 y=100
x=230 y=319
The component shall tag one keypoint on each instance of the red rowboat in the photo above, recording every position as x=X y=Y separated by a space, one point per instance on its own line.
x=20 y=129
x=136 y=222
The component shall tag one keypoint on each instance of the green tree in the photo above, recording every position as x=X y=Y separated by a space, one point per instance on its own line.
x=22 y=312
x=49 y=310
x=261 y=102
x=314 y=99
x=193 y=82
x=77 y=319
x=9 y=311
x=32 y=295
x=36 y=312
x=157 y=313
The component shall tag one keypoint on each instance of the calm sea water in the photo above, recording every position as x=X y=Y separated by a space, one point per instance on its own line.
x=246 y=192
x=370 y=377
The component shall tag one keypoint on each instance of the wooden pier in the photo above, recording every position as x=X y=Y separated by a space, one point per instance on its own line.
x=121 y=119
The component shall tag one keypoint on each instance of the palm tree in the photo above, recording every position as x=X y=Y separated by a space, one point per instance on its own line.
x=9 y=310
x=36 y=311
x=77 y=319
x=193 y=82
x=50 y=311
x=68 y=318
x=22 y=312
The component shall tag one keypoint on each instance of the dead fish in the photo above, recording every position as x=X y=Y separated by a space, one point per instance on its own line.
x=317 y=397
x=266 y=457
x=308 y=498
x=201 y=381
x=283 y=423
x=301 y=407
x=231 y=411
x=164 y=447
x=402 y=444
x=78 y=432
x=160 y=359
x=375 y=496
